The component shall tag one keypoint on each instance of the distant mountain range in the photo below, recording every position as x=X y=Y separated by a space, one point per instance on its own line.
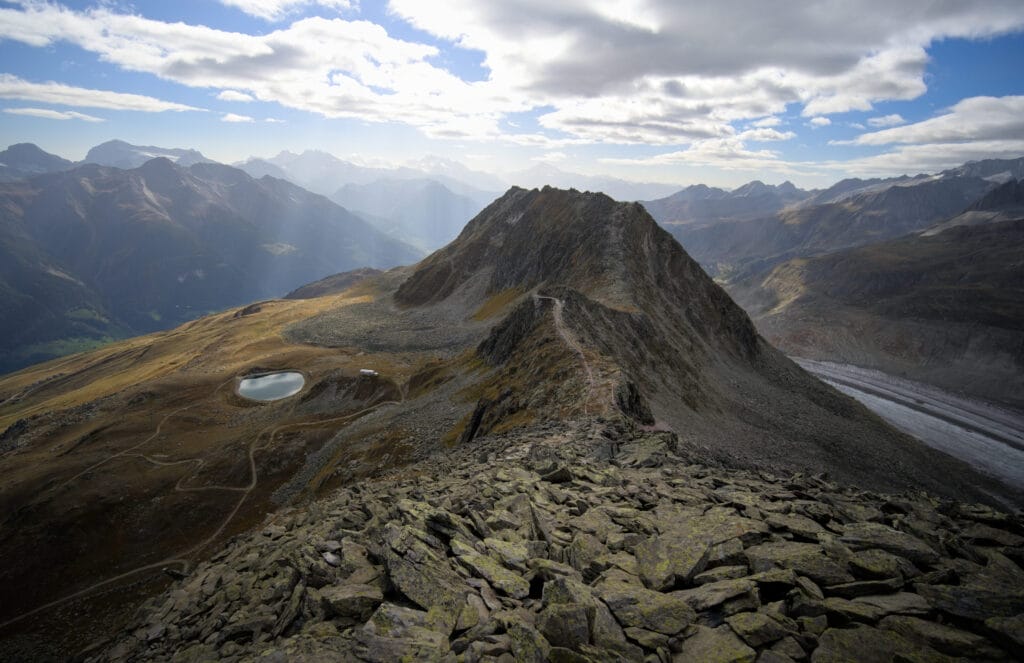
x=920 y=277
x=96 y=252
x=25 y=160
x=700 y=205
x=850 y=217
x=120 y=154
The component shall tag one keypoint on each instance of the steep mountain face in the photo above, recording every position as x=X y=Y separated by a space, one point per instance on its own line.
x=119 y=154
x=662 y=337
x=149 y=248
x=700 y=205
x=424 y=213
x=996 y=170
x=556 y=318
x=25 y=160
x=1003 y=203
x=869 y=215
x=944 y=308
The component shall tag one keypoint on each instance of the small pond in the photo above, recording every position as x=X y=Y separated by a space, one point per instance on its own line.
x=272 y=386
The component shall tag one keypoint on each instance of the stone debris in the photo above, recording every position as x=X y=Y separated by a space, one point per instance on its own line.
x=555 y=549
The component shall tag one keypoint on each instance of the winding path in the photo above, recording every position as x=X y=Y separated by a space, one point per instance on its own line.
x=181 y=557
x=570 y=340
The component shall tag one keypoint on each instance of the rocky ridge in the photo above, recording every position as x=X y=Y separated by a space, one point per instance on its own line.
x=596 y=540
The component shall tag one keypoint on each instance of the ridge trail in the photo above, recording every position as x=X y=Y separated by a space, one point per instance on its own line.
x=570 y=340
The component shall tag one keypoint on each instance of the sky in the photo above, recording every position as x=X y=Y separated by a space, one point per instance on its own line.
x=647 y=90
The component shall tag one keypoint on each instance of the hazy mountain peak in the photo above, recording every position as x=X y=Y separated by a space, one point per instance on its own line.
x=27 y=159
x=120 y=154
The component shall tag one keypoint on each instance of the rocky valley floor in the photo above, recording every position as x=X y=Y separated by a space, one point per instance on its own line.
x=598 y=541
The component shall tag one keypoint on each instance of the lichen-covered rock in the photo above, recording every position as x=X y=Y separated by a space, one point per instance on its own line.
x=756 y=628
x=860 y=536
x=807 y=559
x=864 y=644
x=351 y=604
x=652 y=561
x=635 y=606
x=714 y=645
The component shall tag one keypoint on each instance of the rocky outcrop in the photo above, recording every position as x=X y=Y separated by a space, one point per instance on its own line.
x=545 y=546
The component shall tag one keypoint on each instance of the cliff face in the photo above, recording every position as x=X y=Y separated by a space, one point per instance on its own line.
x=598 y=544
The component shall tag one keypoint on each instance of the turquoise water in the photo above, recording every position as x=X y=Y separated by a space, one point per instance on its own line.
x=272 y=387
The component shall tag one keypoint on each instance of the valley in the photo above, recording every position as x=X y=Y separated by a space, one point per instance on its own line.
x=989 y=438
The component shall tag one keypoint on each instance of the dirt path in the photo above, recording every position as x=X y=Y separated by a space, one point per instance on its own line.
x=570 y=340
x=181 y=558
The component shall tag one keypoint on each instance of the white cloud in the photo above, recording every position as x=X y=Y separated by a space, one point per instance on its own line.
x=886 y=120
x=233 y=117
x=551 y=157
x=273 y=120
x=656 y=72
x=235 y=95
x=929 y=158
x=724 y=153
x=970 y=120
x=762 y=135
x=974 y=128
x=52 y=114
x=12 y=87
x=819 y=122
x=274 y=10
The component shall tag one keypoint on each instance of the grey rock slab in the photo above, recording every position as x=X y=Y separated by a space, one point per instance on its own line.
x=972 y=602
x=720 y=573
x=505 y=581
x=860 y=536
x=807 y=559
x=663 y=561
x=756 y=628
x=864 y=588
x=566 y=624
x=643 y=608
x=714 y=594
x=351 y=603
x=714 y=645
x=875 y=564
x=864 y=644
x=941 y=637
x=798 y=525
x=901 y=603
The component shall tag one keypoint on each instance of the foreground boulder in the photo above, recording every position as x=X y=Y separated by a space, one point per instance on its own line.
x=494 y=556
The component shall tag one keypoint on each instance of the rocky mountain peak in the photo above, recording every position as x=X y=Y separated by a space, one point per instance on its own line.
x=611 y=251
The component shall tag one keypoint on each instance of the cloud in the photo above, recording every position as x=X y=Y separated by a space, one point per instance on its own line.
x=12 y=87
x=275 y=10
x=861 y=52
x=551 y=157
x=233 y=117
x=273 y=120
x=886 y=120
x=770 y=121
x=974 y=128
x=234 y=95
x=819 y=122
x=761 y=135
x=974 y=119
x=53 y=115
x=724 y=153
x=655 y=72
